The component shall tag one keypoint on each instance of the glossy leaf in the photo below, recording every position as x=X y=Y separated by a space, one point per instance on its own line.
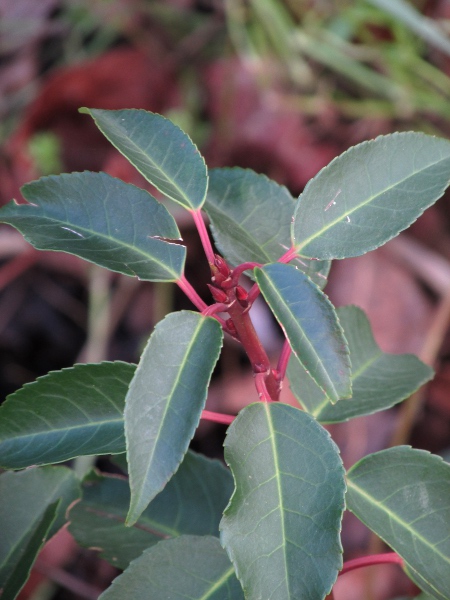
x=101 y=219
x=10 y=588
x=165 y=400
x=159 y=150
x=26 y=496
x=281 y=528
x=311 y=326
x=186 y=567
x=251 y=220
x=403 y=495
x=191 y=503
x=369 y=194
x=73 y=412
x=379 y=380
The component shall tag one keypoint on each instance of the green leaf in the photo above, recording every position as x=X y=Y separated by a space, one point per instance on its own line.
x=26 y=496
x=18 y=577
x=403 y=495
x=281 y=528
x=73 y=412
x=164 y=154
x=101 y=219
x=369 y=194
x=165 y=400
x=379 y=380
x=311 y=326
x=251 y=219
x=186 y=567
x=191 y=503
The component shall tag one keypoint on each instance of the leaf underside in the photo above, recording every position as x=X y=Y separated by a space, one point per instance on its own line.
x=191 y=503
x=310 y=323
x=101 y=219
x=379 y=380
x=282 y=526
x=369 y=194
x=165 y=400
x=159 y=150
x=403 y=495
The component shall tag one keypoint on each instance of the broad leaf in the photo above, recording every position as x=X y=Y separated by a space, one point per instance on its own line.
x=369 y=194
x=379 y=380
x=251 y=220
x=281 y=528
x=403 y=495
x=165 y=400
x=73 y=412
x=28 y=553
x=159 y=150
x=187 y=567
x=101 y=219
x=26 y=496
x=311 y=326
x=191 y=503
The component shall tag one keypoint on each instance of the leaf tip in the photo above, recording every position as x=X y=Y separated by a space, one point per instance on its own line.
x=85 y=111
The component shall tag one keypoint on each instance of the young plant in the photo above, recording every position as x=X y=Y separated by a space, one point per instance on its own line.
x=183 y=525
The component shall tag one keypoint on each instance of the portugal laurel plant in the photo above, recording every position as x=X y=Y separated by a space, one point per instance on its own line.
x=180 y=525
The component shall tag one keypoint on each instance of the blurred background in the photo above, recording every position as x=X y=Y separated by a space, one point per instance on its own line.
x=279 y=86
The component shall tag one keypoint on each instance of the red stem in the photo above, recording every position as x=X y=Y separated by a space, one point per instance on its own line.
x=283 y=360
x=248 y=266
x=203 y=233
x=187 y=288
x=367 y=561
x=289 y=255
x=208 y=415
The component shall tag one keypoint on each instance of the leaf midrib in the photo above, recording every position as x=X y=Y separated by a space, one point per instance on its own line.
x=123 y=133
x=304 y=337
x=395 y=518
x=134 y=249
x=358 y=207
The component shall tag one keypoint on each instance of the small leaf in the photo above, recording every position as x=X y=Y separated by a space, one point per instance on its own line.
x=73 y=412
x=379 y=380
x=165 y=400
x=311 y=326
x=26 y=496
x=159 y=150
x=191 y=503
x=101 y=219
x=403 y=495
x=251 y=220
x=369 y=194
x=186 y=567
x=281 y=528
x=28 y=554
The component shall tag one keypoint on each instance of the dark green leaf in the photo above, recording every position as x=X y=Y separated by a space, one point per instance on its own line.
x=101 y=219
x=369 y=194
x=311 y=326
x=68 y=413
x=403 y=495
x=28 y=553
x=379 y=380
x=159 y=150
x=251 y=220
x=26 y=495
x=186 y=567
x=191 y=503
x=281 y=528
x=165 y=400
